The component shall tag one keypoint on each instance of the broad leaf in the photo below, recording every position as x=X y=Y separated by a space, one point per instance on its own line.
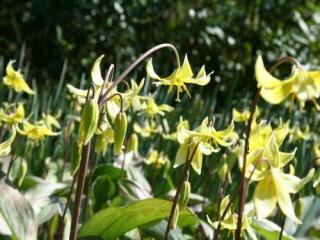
x=111 y=223
x=16 y=211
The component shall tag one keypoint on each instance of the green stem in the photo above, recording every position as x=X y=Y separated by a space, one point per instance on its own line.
x=80 y=185
x=176 y=197
x=61 y=220
x=133 y=65
x=12 y=155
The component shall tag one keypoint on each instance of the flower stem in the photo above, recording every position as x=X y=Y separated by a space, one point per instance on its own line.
x=133 y=65
x=12 y=155
x=80 y=185
x=61 y=220
x=176 y=197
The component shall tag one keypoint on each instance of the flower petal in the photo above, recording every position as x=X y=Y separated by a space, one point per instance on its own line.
x=181 y=156
x=96 y=72
x=278 y=94
x=265 y=197
x=292 y=183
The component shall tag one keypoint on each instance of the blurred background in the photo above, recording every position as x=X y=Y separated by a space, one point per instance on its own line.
x=226 y=36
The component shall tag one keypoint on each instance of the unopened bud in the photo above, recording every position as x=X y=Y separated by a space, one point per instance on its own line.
x=120 y=129
x=175 y=218
x=184 y=195
x=89 y=121
x=298 y=208
x=22 y=172
x=75 y=158
x=133 y=144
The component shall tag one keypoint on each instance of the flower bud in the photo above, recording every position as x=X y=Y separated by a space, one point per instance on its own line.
x=76 y=152
x=175 y=218
x=89 y=121
x=184 y=195
x=298 y=208
x=133 y=144
x=120 y=129
x=22 y=172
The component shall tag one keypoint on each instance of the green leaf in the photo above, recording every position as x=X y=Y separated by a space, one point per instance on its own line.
x=316 y=178
x=106 y=169
x=132 y=189
x=268 y=229
x=103 y=189
x=158 y=232
x=16 y=211
x=111 y=223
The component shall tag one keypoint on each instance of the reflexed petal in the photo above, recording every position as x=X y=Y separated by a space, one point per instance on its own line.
x=240 y=116
x=223 y=205
x=5 y=147
x=281 y=133
x=185 y=71
x=265 y=79
x=77 y=91
x=181 y=156
x=206 y=148
x=265 y=197
x=213 y=224
x=134 y=91
x=272 y=152
x=202 y=78
x=196 y=160
x=96 y=73
x=151 y=71
x=278 y=94
x=284 y=158
x=225 y=133
x=284 y=200
x=292 y=183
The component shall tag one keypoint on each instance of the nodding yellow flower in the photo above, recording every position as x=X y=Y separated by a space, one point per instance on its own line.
x=112 y=106
x=200 y=142
x=244 y=116
x=50 y=120
x=264 y=143
x=148 y=128
x=151 y=109
x=5 y=147
x=230 y=221
x=16 y=117
x=180 y=77
x=159 y=159
x=302 y=84
x=15 y=80
x=36 y=132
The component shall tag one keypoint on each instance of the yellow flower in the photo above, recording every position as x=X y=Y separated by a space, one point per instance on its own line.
x=5 y=147
x=50 y=120
x=15 y=80
x=230 y=221
x=36 y=132
x=159 y=159
x=112 y=106
x=103 y=139
x=180 y=77
x=264 y=143
x=151 y=109
x=302 y=84
x=148 y=128
x=200 y=141
x=16 y=117
x=244 y=116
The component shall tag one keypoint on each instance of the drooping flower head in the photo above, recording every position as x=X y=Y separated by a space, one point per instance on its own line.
x=14 y=79
x=302 y=84
x=264 y=144
x=36 y=132
x=180 y=77
x=205 y=139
